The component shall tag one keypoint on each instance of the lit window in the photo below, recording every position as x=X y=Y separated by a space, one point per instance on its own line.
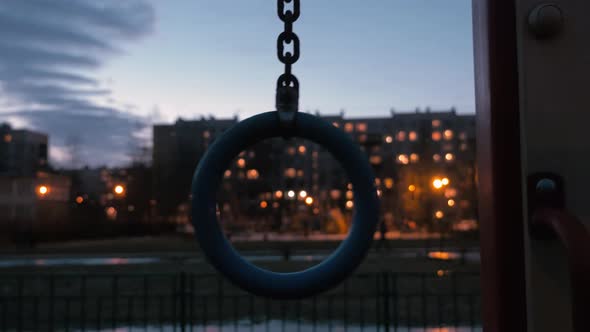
x=263 y=204
x=79 y=199
x=7 y=138
x=206 y=134
x=449 y=157
x=439 y=214
x=363 y=138
x=413 y=136
x=302 y=149
x=451 y=202
x=448 y=134
x=252 y=174
x=349 y=127
x=300 y=173
x=436 y=136
x=362 y=127
x=335 y=124
x=278 y=194
x=349 y=186
x=401 y=136
x=290 y=172
x=376 y=160
x=377 y=181
x=414 y=158
x=403 y=159
x=412 y=188
x=436 y=157
x=388 y=139
x=450 y=192
x=435 y=123
x=388 y=183
x=349 y=194
x=335 y=194
x=227 y=173
x=291 y=151
x=303 y=194
x=349 y=204
x=241 y=163
x=111 y=213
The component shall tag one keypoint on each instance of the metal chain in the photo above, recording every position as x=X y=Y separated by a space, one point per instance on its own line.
x=287 y=97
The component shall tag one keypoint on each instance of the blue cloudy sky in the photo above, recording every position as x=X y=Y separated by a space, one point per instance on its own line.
x=102 y=71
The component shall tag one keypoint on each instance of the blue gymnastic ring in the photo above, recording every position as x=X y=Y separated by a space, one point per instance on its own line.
x=221 y=254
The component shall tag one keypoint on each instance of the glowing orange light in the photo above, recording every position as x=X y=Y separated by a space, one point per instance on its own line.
x=241 y=163
x=7 y=138
x=439 y=214
x=388 y=139
x=349 y=204
x=303 y=194
x=451 y=202
x=278 y=194
x=111 y=212
x=412 y=188
x=440 y=273
x=263 y=204
x=119 y=189
x=437 y=183
x=388 y=183
x=302 y=149
x=449 y=156
x=79 y=199
x=350 y=194
x=309 y=201
x=445 y=181
x=43 y=190
x=227 y=173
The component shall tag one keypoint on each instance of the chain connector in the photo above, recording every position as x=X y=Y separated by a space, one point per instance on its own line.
x=287 y=102
x=289 y=16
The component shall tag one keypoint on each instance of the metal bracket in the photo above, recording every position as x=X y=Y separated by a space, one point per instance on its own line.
x=545 y=191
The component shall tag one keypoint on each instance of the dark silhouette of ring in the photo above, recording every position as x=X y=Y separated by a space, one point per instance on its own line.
x=294 y=285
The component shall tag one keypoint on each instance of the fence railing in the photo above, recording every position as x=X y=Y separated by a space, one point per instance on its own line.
x=383 y=301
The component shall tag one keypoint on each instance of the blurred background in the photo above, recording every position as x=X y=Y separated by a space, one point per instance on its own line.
x=106 y=110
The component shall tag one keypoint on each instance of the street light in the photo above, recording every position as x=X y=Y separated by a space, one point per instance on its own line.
x=42 y=190
x=412 y=188
x=309 y=201
x=439 y=214
x=445 y=181
x=437 y=183
x=119 y=189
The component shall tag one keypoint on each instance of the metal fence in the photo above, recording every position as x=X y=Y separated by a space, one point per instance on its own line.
x=385 y=301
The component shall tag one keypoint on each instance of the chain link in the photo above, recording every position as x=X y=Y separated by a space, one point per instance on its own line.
x=287 y=96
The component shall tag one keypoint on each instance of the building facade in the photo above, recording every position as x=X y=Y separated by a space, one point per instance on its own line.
x=295 y=185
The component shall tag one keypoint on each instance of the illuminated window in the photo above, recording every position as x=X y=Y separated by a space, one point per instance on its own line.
x=377 y=181
x=335 y=194
x=403 y=159
x=412 y=188
x=348 y=127
x=241 y=163
x=363 y=138
x=439 y=214
x=278 y=194
x=291 y=151
x=376 y=160
x=463 y=147
x=7 y=138
x=448 y=134
x=303 y=194
x=349 y=186
x=362 y=127
x=401 y=136
x=436 y=136
x=450 y=192
x=206 y=134
x=413 y=136
x=263 y=204
x=449 y=157
x=302 y=149
x=349 y=205
x=252 y=174
x=388 y=183
x=435 y=123
x=335 y=124
x=290 y=172
x=388 y=139
x=227 y=173
x=451 y=202
x=300 y=173
x=436 y=157
x=414 y=158
x=349 y=194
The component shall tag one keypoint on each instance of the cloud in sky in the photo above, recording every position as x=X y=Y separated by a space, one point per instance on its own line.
x=49 y=51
